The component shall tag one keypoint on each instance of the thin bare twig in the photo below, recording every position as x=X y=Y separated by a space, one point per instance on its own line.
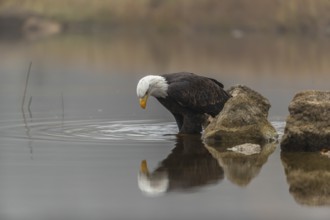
x=26 y=85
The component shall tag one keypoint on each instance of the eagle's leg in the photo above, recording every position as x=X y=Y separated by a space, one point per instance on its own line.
x=179 y=120
x=192 y=124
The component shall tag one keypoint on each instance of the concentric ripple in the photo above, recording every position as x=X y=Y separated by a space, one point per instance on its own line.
x=89 y=130
x=95 y=130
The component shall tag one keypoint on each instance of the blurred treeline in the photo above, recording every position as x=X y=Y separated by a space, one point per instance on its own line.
x=301 y=16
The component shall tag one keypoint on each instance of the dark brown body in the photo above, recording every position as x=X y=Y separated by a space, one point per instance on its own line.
x=190 y=97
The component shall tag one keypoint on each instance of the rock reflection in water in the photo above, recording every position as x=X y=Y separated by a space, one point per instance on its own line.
x=187 y=167
x=308 y=176
x=239 y=168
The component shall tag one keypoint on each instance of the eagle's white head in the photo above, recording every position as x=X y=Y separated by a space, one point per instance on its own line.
x=151 y=85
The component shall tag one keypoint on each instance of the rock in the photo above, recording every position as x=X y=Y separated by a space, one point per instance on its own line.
x=325 y=152
x=242 y=120
x=23 y=24
x=246 y=149
x=308 y=176
x=35 y=27
x=308 y=125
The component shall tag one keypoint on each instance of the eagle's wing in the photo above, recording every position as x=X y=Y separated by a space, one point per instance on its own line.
x=197 y=93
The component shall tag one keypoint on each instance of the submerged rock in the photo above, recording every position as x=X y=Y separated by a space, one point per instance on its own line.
x=325 y=152
x=242 y=120
x=308 y=125
x=246 y=149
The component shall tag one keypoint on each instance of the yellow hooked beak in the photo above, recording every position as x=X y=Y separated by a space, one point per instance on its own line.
x=143 y=101
x=144 y=167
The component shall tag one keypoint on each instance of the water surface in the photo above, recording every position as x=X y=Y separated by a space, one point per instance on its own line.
x=74 y=149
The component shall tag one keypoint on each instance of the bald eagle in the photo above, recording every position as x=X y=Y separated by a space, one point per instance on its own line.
x=186 y=95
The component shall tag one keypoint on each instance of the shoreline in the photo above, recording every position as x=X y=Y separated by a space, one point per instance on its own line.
x=282 y=17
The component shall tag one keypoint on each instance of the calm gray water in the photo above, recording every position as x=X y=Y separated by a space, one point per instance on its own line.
x=74 y=149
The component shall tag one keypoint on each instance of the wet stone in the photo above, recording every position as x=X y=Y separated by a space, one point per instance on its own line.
x=308 y=125
x=242 y=120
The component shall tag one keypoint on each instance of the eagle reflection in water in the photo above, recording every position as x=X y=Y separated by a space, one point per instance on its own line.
x=191 y=164
x=187 y=167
